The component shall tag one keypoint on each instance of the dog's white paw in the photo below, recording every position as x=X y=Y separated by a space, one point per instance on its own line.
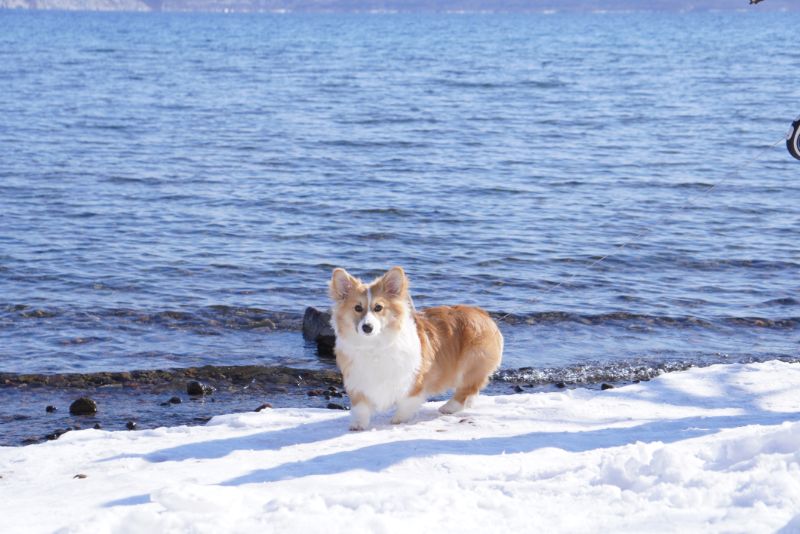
x=407 y=408
x=451 y=406
x=360 y=415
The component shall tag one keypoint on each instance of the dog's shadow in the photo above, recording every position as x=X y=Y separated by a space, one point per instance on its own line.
x=259 y=440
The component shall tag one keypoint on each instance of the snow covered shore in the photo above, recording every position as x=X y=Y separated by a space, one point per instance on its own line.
x=712 y=449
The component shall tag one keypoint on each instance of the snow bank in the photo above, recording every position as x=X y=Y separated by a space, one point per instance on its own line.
x=713 y=449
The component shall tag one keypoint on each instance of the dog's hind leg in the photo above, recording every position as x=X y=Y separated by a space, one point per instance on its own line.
x=462 y=398
x=484 y=361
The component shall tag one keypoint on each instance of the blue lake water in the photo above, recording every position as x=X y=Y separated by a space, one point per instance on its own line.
x=176 y=188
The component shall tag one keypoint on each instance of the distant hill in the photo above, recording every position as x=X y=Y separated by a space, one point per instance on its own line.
x=397 y=5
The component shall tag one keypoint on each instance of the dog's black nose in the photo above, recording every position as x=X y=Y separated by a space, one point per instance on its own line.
x=366 y=327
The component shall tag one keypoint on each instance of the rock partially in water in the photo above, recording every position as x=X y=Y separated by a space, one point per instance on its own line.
x=175 y=400
x=198 y=389
x=97 y=426
x=335 y=406
x=264 y=406
x=83 y=406
x=317 y=327
x=131 y=425
x=51 y=409
x=605 y=386
x=518 y=389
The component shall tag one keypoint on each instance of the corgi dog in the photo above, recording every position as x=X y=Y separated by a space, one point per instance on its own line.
x=390 y=355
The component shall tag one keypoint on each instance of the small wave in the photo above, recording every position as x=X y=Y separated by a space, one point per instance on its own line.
x=383 y=121
x=554 y=317
x=541 y=84
x=787 y=301
x=549 y=317
x=395 y=212
x=204 y=320
x=223 y=317
x=100 y=50
x=510 y=84
x=347 y=143
x=468 y=84
x=721 y=264
x=759 y=322
x=80 y=340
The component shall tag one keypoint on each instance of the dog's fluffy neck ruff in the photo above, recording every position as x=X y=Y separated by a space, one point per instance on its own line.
x=386 y=365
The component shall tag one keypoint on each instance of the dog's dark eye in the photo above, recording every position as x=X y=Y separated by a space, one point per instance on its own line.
x=378 y=308
x=359 y=308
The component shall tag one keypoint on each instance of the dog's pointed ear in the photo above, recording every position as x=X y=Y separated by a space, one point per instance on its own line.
x=341 y=284
x=395 y=282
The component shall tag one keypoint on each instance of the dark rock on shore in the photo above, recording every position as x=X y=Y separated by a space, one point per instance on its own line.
x=606 y=386
x=335 y=406
x=55 y=434
x=317 y=327
x=198 y=389
x=83 y=406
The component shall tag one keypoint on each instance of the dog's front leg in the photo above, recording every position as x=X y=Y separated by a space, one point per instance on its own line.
x=360 y=414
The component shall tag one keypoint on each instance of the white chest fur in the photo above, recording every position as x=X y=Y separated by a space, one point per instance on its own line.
x=383 y=367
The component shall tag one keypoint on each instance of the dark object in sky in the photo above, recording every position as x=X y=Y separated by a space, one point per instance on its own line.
x=753 y=2
x=793 y=139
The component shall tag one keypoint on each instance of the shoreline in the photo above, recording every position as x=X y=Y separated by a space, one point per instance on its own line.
x=38 y=405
